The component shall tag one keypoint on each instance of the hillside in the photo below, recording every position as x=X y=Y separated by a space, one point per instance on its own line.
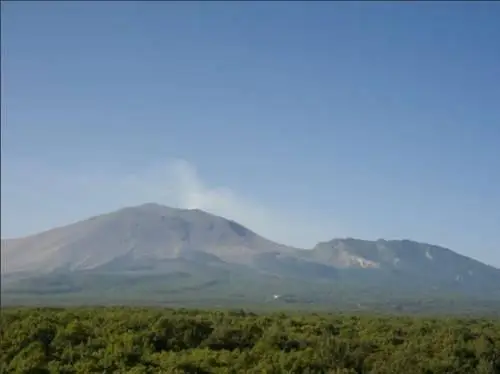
x=133 y=235
x=153 y=253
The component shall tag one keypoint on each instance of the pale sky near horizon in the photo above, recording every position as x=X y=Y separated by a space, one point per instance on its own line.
x=304 y=121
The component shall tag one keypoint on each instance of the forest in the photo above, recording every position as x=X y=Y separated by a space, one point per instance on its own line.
x=157 y=340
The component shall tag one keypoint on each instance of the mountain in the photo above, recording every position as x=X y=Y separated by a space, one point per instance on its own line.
x=159 y=253
x=134 y=235
x=409 y=262
x=398 y=255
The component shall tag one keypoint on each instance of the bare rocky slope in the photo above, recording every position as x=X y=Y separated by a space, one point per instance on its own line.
x=154 y=239
x=136 y=233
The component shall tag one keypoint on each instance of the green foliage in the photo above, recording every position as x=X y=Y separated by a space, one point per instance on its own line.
x=135 y=340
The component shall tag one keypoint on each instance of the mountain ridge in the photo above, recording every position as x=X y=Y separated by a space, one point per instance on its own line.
x=146 y=223
x=200 y=211
x=244 y=231
x=151 y=241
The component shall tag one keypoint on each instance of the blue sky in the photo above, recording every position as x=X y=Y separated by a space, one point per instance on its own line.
x=304 y=121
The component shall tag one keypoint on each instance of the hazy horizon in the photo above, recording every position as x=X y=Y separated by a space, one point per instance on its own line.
x=303 y=121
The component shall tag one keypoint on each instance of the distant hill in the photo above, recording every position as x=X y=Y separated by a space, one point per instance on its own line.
x=160 y=253
x=409 y=264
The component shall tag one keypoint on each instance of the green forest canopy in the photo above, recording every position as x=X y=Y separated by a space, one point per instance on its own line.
x=141 y=340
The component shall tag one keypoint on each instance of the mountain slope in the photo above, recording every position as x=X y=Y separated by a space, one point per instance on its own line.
x=160 y=252
x=148 y=232
x=408 y=262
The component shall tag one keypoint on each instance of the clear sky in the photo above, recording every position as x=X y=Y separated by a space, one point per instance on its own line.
x=303 y=121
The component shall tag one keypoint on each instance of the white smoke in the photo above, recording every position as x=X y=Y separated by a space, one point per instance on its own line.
x=36 y=197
